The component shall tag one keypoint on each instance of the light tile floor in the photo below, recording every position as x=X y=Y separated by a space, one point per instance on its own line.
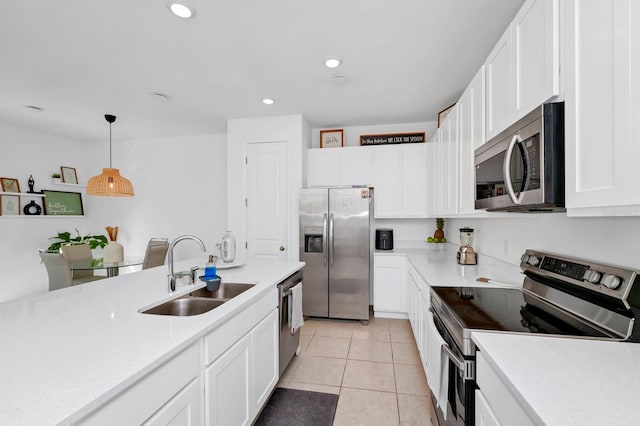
x=375 y=369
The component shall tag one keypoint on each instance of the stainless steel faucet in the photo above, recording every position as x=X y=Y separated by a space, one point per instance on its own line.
x=172 y=276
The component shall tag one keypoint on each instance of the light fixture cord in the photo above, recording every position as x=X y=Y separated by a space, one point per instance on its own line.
x=110 y=146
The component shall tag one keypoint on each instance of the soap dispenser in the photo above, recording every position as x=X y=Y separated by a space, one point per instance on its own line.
x=210 y=271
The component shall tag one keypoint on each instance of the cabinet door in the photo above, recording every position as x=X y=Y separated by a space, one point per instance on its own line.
x=600 y=154
x=424 y=327
x=389 y=178
x=389 y=284
x=185 y=409
x=536 y=42
x=500 y=99
x=356 y=166
x=432 y=175
x=228 y=386
x=449 y=159
x=265 y=359
x=414 y=187
x=484 y=413
x=470 y=136
x=323 y=167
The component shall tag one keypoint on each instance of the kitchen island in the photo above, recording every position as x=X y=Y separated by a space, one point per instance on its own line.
x=69 y=353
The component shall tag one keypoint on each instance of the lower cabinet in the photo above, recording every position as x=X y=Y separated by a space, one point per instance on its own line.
x=389 y=285
x=495 y=404
x=185 y=409
x=238 y=383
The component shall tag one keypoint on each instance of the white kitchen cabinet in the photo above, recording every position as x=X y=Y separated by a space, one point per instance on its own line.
x=484 y=414
x=173 y=391
x=497 y=402
x=433 y=175
x=185 y=409
x=323 y=167
x=401 y=181
x=413 y=302
x=265 y=360
x=389 y=285
x=328 y=167
x=471 y=122
x=602 y=106
x=523 y=69
x=228 y=386
x=449 y=163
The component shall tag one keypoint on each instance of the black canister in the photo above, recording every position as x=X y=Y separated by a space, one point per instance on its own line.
x=384 y=239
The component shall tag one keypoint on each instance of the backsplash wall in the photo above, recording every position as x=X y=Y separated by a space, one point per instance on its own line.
x=607 y=240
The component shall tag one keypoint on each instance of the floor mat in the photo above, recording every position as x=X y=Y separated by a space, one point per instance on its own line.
x=292 y=407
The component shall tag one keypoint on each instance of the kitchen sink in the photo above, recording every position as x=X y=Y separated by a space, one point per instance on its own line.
x=226 y=291
x=199 y=301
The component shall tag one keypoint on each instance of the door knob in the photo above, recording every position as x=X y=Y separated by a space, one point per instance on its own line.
x=281 y=248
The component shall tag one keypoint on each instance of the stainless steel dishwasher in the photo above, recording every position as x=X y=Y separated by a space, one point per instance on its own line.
x=289 y=342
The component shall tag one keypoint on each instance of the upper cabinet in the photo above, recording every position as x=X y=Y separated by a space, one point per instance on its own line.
x=523 y=69
x=348 y=166
x=602 y=106
x=471 y=119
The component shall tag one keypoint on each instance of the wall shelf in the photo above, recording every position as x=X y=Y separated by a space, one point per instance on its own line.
x=72 y=185
x=23 y=194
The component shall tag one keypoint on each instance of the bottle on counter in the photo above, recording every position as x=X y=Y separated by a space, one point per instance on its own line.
x=228 y=247
x=210 y=271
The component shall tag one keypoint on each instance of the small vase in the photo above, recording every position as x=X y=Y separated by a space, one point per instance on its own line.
x=113 y=252
x=56 y=180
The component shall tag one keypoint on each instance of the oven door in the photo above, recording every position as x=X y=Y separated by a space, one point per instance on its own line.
x=461 y=392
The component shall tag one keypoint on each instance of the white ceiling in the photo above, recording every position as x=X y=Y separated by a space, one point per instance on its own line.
x=405 y=60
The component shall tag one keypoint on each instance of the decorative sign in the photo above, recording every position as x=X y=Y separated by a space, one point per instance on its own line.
x=393 y=138
x=60 y=203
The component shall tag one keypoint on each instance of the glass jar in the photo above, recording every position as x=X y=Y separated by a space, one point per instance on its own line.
x=228 y=248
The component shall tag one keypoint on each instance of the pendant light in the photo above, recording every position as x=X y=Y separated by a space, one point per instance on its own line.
x=109 y=183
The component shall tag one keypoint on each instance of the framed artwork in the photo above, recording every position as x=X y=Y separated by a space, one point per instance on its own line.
x=10 y=184
x=393 y=138
x=9 y=205
x=69 y=175
x=332 y=138
x=61 y=203
x=443 y=114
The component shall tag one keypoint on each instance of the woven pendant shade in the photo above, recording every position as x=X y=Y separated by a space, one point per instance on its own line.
x=109 y=183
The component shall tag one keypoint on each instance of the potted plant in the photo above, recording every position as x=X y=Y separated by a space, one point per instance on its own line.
x=55 y=178
x=64 y=238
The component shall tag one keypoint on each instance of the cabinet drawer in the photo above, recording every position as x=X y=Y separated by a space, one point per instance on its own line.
x=223 y=337
x=144 y=398
x=503 y=403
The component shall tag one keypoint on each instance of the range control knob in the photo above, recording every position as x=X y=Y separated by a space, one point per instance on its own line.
x=611 y=281
x=524 y=258
x=533 y=260
x=591 y=276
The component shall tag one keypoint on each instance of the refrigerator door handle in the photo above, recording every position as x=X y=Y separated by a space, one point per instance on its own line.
x=324 y=238
x=331 y=230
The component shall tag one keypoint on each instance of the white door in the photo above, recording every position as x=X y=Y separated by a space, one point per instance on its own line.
x=266 y=202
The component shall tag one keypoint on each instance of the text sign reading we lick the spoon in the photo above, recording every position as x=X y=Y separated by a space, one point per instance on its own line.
x=393 y=138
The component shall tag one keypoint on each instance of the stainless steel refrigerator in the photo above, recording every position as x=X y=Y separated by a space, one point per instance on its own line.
x=334 y=243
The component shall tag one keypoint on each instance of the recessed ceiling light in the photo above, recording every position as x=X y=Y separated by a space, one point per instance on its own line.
x=159 y=95
x=339 y=80
x=332 y=62
x=34 y=107
x=268 y=101
x=182 y=10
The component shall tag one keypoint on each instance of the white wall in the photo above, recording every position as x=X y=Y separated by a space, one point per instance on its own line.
x=24 y=153
x=352 y=134
x=607 y=240
x=180 y=188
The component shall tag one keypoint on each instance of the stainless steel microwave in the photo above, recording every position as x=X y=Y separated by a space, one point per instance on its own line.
x=522 y=169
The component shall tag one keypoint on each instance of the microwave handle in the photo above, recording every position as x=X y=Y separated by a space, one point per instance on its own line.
x=517 y=199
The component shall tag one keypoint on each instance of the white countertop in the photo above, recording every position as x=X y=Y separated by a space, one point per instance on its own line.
x=66 y=352
x=568 y=381
x=437 y=265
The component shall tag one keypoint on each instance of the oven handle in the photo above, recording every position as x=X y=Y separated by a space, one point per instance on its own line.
x=453 y=357
x=517 y=199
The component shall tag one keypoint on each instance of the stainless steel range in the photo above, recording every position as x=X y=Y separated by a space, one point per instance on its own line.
x=561 y=296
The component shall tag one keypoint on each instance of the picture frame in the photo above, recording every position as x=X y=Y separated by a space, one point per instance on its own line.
x=333 y=138
x=9 y=184
x=443 y=114
x=9 y=205
x=69 y=175
x=62 y=203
